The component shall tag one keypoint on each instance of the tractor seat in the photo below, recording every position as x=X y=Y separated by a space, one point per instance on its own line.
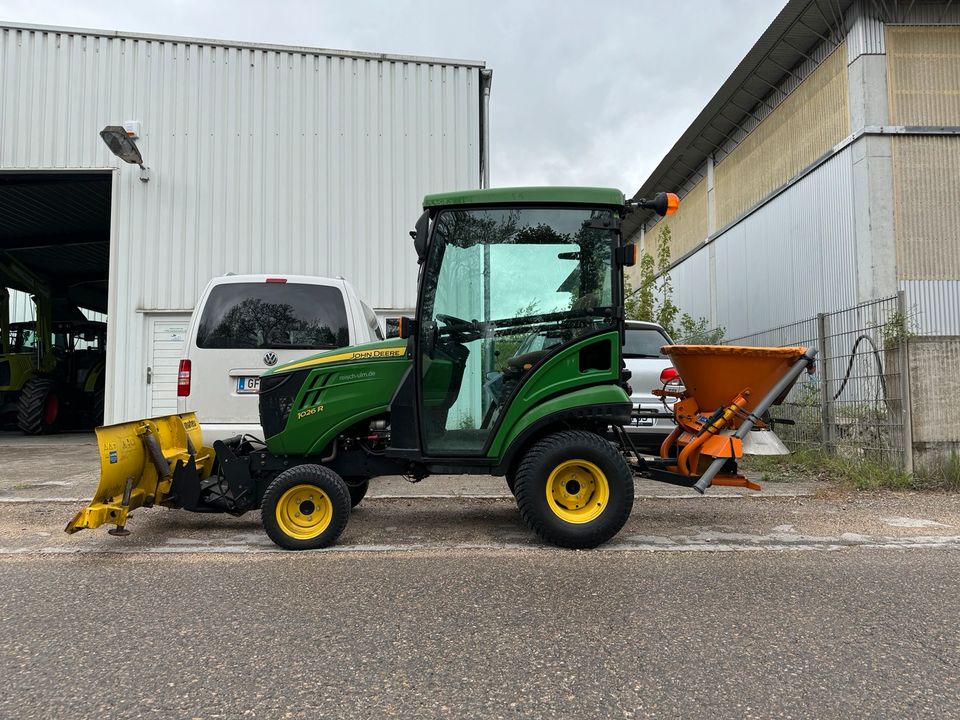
x=522 y=363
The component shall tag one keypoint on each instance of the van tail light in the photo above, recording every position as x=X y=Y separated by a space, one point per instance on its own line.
x=667 y=376
x=183 y=379
x=276 y=280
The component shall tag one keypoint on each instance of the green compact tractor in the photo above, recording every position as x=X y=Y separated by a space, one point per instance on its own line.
x=459 y=391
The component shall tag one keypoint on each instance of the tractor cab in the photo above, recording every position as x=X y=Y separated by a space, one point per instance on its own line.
x=509 y=278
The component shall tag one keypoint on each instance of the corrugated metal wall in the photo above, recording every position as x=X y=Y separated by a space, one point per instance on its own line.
x=266 y=160
x=923 y=74
x=811 y=120
x=792 y=258
x=691 y=285
x=688 y=227
x=927 y=208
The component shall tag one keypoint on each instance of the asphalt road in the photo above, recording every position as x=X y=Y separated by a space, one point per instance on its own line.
x=802 y=601
x=512 y=633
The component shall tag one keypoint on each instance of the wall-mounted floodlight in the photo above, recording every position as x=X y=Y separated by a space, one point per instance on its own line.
x=124 y=147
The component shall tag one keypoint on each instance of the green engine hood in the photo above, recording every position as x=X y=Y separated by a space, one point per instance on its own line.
x=327 y=393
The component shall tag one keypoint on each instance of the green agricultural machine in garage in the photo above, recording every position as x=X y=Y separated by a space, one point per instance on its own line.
x=52 y=370
x=453 y=393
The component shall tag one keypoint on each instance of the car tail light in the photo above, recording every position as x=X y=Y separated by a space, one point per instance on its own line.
x=276 y=280
x=669 y=375
x=183 y=379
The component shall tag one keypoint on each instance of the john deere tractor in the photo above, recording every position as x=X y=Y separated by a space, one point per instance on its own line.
x=458 y=392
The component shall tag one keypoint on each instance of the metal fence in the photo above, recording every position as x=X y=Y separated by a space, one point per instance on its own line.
x=857 y=402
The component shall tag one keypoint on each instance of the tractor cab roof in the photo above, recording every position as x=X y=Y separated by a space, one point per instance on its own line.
x=527 y=195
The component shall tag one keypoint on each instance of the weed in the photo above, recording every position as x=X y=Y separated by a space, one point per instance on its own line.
x=861 y=473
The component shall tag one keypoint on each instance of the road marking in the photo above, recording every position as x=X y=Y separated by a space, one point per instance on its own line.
x=906 y=522
x=703 y=542
x=14 y=500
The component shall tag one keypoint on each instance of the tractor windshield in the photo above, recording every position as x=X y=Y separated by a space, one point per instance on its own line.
x=502 y=287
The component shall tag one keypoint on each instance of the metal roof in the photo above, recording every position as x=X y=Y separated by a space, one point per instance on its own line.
x=58 y=225
x=800 y=27
x=122 y=34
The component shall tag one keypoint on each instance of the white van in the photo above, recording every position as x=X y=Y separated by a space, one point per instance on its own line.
x=244 y=324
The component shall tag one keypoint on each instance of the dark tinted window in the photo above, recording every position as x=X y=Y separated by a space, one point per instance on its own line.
x=644 y=342
x=273 y=315
x=371 y=318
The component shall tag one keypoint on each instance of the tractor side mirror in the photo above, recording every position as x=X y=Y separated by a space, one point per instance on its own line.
x=419 y=235
x=393 y=328
x=626 y=256
x=405 y=327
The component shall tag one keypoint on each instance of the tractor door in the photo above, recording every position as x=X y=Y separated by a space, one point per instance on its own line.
x=503 y=289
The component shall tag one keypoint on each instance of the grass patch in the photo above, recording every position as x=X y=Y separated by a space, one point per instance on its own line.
x=942 y=476
x=859 y=473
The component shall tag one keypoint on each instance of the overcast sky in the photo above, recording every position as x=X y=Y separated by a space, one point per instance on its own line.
x=584 y=93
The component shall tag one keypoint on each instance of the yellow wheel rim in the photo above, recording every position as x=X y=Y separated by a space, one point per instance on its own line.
x=577 y=491
x=304 y=511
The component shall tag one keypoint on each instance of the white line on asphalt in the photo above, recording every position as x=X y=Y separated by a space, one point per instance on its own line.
x=847 y=543
x=452 y=496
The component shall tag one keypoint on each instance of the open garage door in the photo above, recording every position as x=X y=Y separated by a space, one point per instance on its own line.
x=55 y=246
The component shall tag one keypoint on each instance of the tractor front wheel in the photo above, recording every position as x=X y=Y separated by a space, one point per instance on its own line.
x=305 y=507
x=39 y=407
x=574 y=489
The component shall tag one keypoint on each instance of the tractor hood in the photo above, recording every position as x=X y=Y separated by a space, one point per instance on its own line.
x=305 y=404
x=393 y=349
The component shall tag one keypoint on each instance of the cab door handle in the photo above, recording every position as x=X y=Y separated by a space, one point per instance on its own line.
x=149 y=375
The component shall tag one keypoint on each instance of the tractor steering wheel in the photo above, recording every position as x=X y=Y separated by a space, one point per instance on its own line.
x=458 y=329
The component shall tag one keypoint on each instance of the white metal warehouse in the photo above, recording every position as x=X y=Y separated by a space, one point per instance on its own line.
x=260 y=158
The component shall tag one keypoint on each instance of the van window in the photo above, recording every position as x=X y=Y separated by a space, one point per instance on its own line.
x=371 y=318
x=273 y=315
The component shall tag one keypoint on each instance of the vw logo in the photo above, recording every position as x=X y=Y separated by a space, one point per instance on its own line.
x=270 y=358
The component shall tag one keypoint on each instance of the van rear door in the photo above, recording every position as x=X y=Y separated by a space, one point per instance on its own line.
x=246 y=327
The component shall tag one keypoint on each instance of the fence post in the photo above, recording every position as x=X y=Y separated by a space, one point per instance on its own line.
x=906 y=403
x=826 y=402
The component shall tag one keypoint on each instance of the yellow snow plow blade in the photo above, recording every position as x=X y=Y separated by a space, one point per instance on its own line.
x=137 y=463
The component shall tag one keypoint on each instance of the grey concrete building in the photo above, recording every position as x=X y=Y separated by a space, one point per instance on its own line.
x=824 y=174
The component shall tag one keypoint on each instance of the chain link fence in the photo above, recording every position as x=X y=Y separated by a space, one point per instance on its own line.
x=857 y=402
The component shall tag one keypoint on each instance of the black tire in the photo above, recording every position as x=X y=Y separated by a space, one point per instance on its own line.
x=512 y=483
x=40 y=407
x=357 y=487
x=96 y=412
x=593 y=515
x=305 y=507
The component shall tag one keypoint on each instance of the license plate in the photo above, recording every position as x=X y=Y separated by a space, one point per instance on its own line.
x=644 y=421
x=247 y=385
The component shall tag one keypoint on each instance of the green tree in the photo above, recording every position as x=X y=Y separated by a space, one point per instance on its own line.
x=652 y=301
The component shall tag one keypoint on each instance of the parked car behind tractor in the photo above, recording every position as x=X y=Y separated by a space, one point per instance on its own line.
x=246 y=324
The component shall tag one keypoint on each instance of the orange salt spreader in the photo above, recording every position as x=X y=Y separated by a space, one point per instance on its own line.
x=727 y=390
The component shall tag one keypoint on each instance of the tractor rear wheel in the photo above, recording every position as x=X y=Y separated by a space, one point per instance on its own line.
x=574 y=489
x=40 y=406
x=305 y=507
x=357 y=487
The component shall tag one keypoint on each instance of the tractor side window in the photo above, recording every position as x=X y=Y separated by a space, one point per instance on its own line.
x=504 y=286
